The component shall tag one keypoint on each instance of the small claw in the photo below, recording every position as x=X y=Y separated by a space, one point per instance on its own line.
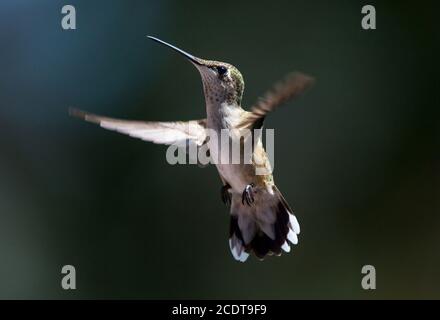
x=248 y=195
x=226 y=196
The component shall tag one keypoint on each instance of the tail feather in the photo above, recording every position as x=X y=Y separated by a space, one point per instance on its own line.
x=265 y=228
x=236 y=242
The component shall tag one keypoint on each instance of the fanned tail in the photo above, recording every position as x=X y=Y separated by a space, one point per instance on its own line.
x=266 y=227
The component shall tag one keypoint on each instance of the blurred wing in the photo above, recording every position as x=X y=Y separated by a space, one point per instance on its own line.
x=178 y=133
x=290 y=88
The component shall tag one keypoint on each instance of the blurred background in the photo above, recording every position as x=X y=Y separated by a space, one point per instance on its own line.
x=355 y=156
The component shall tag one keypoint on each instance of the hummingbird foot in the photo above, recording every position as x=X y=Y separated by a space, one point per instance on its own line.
x=226 y=196
x=248 y=195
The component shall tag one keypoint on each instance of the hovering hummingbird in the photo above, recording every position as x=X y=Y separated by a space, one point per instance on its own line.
x=261 y=220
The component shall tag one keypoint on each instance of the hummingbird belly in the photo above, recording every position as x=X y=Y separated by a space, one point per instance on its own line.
x=243 y=172
x=237 y=175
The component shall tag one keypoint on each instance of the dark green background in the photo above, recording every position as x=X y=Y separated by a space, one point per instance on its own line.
x=355 y=156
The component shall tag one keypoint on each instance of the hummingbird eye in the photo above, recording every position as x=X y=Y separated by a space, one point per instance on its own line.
x=221 y=70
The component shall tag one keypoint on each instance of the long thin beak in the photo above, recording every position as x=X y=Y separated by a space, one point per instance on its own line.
x=190 y=57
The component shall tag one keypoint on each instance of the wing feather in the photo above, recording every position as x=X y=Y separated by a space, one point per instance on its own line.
x=178 y=133
x=290 y=88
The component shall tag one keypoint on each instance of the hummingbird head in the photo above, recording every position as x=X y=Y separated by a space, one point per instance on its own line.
x=222 y=82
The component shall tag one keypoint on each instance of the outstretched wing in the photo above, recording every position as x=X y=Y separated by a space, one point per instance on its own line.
x=290 y=88
x=179 y=133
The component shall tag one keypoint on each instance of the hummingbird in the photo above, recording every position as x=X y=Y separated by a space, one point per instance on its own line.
x=261 y=221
